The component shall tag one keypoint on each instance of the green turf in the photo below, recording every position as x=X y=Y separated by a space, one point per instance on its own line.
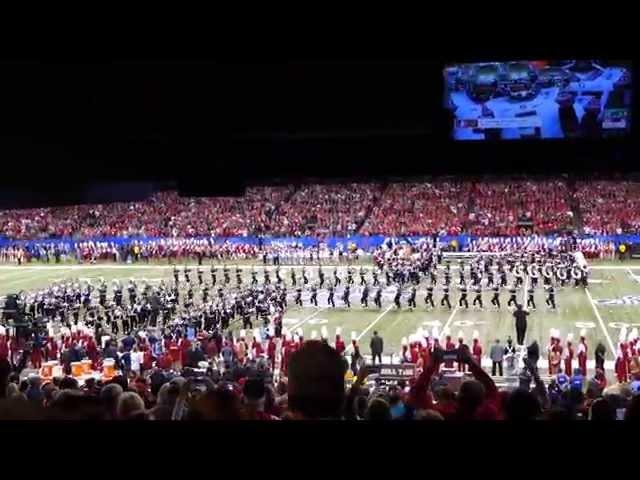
x=575 y=310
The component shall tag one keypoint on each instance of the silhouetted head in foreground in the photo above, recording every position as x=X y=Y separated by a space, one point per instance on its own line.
x=316 y=381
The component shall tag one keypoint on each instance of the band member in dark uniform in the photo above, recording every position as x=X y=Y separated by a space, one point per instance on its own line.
x=225 y=273
x=199 y=272
x=186 y=272
x=397 y=297
x=330 y=300
x=533 y=274
x=512 y=296
x=102 y=292
x=551 y=297
x=477 y=289
x=447 y=277
x=362 y=275
x=445 y=297
x=117 y=294
x=349 y=276
x=267 y=279
x=321 y=276
x=548 y=274
x=490 y=278
x=412 y=297
x=377 y=299
x=254 y=277
x=246 y=320
x=205 y=294
x=495 y=300
x=576 y=274
x=428 y=300
x=305 y=279
x=294 y=281
x=503 y=278
x=176 y=275
x=521 y=323
x=531 y=303
x=238 y=276
x=364 y=299
x=433 y=275
x=214 y=270
x=132 y=292
x=278 y=276
x=336 y=278
x=374 y=274
x=314 y=295
x=463 y=296
x=387 y=277
x=298 y=297
x=345 y=296
x=562 y=276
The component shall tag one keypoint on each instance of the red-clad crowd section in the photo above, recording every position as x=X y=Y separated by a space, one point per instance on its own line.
x=484 y=207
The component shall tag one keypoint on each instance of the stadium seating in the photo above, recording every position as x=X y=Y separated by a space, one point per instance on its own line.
x=609 y=207
x=486 y=207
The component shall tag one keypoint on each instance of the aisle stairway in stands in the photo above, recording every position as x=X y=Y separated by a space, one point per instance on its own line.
x=471 y=204
x=574 y=205
x=371 y=206
x=286 y=199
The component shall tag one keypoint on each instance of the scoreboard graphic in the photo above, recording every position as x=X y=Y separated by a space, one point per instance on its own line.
x=539 y=99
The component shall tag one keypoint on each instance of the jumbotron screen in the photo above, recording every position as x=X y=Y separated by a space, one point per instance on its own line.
x=539 y=99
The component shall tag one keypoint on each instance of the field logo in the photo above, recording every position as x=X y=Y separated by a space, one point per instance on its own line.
x=585 y=325
x=318 y=321
x=463 y=323
x=626 y=300
x=290 y=321
x=432 y=323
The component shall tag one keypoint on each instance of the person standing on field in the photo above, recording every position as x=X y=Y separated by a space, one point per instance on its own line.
x=497 y=355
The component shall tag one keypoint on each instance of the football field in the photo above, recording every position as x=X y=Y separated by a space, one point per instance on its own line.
x=611 y=302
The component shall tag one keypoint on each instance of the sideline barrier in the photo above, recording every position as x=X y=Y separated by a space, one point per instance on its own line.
x=364 y=242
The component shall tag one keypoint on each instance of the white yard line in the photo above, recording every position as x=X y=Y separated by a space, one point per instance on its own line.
x=602 y=325
x=446 y=325
x=370 y=326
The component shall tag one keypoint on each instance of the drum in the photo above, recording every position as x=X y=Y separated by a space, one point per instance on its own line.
x=47 y=370
x=76 y=369
x=109 y=368
x=87 y=365
x=57 y=371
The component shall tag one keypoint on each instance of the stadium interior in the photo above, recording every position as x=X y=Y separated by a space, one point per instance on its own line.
x=320 y=247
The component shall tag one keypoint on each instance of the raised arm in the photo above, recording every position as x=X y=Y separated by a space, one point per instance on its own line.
x=418 y=394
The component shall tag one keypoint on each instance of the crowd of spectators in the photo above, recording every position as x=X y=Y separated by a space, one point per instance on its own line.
x=313 y=387
x=327 y=209
x=165 y=214
x=484 y=208
x=609 y=207
x=519 y=207
x=420 y=209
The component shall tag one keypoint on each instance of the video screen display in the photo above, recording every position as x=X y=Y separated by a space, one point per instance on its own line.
x=539 y=99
